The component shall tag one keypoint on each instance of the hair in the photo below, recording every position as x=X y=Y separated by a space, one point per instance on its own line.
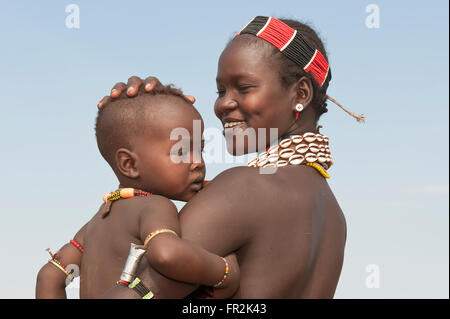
x=120 y=120
x=290 y=72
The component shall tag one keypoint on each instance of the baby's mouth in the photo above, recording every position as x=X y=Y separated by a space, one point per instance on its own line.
x=197 y=184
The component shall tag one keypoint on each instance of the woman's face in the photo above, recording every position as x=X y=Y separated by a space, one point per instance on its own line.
x=251 y=97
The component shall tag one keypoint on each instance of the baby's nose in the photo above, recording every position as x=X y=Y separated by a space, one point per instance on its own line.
x=197 y=165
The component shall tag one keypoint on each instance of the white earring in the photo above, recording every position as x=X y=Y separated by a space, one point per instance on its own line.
x=299 y=107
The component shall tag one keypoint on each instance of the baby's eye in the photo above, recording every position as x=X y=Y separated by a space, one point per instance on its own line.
x=220 y=93
x=179 y=152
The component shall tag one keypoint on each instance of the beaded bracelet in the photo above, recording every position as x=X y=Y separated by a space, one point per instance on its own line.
x=77 y=245
x=225 y=276
x=157 y=232
x=58 y=264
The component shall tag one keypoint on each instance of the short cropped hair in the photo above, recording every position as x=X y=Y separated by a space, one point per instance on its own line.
x=120 y=120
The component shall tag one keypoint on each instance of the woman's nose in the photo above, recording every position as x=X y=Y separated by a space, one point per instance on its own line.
x=226 y=104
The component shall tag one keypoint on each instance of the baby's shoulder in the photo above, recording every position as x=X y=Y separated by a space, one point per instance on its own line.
x=156 y=203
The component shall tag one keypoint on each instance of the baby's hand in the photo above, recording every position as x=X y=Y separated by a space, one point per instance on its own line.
x=132 y=88
x=231 y=284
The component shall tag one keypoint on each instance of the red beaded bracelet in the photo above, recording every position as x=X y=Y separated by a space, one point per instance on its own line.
x=73 y=242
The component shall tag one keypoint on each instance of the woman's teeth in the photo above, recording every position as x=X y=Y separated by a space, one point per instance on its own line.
x=233 y=124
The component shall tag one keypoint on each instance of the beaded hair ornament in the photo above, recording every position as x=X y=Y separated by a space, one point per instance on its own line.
x=293 y=45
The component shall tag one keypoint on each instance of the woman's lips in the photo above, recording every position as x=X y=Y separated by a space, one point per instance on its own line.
x=238 y=126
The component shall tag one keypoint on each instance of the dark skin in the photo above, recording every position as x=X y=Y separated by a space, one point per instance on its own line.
x=287 y=228
x=147 y=165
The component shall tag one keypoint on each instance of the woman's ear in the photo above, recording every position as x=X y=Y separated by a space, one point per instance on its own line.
x=126 y=161
x=304 y=90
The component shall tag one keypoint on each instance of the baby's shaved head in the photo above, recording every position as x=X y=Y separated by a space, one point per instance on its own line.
x=120 y=121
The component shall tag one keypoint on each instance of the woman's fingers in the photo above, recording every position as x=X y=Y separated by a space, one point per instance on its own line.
x=132 y=89
x=117 y=90
x=133 y=85
x=190 y=98
x=103 y=101
x=150 y=83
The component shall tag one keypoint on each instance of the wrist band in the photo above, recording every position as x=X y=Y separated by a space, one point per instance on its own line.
x=225 y=276
x=132 y=263
x=58 y=265
x=141 y=289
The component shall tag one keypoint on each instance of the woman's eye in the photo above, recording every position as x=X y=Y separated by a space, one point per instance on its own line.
x=244 y=88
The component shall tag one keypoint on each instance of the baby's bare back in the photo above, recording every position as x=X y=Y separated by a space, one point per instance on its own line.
x=107 y=244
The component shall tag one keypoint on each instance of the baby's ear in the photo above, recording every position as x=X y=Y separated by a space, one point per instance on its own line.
x=126 y=163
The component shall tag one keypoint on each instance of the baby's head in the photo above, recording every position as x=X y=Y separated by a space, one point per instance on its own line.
x=134 y=137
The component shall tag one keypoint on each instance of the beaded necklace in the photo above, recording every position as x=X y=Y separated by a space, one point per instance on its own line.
x=309 y=149
x=124 y=193
x=108 y=198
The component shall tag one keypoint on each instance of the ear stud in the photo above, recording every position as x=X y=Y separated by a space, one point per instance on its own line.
x=298 y=108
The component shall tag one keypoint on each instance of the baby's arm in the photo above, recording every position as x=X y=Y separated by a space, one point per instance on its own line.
x=52 y=279
x=177 y=258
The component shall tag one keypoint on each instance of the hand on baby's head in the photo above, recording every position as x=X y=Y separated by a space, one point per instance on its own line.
x=134 y=85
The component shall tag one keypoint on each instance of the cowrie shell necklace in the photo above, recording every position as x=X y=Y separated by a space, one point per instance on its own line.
x=310 y=149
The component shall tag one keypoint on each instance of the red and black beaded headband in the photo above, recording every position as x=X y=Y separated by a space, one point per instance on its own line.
x=290 y=43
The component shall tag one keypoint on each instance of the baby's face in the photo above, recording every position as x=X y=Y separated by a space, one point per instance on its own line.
x=170 y=153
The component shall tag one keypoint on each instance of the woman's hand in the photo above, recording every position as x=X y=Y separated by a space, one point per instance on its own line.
x=132 y=88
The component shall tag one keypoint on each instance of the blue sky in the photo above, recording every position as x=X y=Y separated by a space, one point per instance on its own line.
x=390 y=174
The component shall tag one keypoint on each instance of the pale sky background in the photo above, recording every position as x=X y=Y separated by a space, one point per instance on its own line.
x=390 y=175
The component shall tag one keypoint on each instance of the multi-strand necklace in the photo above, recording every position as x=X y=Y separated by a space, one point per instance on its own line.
x=308 y=149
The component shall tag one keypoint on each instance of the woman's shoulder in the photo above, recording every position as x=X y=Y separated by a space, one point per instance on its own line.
x=301 y=176
x=283 y=182
x=236 y=177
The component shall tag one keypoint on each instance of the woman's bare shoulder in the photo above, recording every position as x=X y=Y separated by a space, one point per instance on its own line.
x=237 y=174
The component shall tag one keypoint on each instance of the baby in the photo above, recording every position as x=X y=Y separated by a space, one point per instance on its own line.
x=153 y=165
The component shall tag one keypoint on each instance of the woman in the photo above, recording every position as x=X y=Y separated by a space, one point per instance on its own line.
x=286 y=227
